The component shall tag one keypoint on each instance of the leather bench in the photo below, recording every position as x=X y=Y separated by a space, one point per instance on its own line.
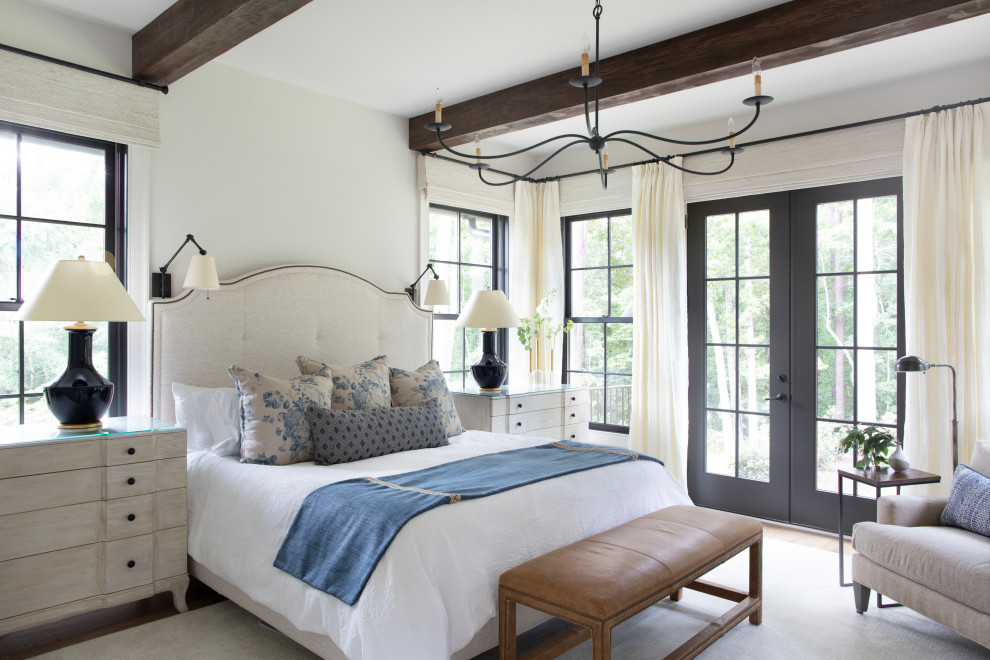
x=605 y=579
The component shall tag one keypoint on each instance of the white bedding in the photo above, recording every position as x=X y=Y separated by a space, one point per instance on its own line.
x=437 y=584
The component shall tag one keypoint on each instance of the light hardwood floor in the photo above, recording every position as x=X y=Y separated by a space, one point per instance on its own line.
x=65 y=633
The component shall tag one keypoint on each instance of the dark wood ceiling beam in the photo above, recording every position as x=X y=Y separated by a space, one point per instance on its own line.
x=785 y=34
x=190 y=33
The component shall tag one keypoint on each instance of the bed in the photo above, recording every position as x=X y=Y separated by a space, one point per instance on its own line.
x=433 y=595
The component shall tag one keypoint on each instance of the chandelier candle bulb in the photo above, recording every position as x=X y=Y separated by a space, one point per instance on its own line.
x=585 y=47
x=605 y=157
x=732 y=133
x=757 y=77
x=437 y=111
x=477 y=147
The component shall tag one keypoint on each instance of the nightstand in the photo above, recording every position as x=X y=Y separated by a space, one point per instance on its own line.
x=559 y=412
x=90 y=520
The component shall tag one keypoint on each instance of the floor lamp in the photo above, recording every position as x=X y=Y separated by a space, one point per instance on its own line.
x=911 y=363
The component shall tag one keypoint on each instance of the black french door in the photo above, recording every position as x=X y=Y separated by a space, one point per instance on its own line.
x=795 y=323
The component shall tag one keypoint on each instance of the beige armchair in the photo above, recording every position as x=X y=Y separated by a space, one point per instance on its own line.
x=908 y=555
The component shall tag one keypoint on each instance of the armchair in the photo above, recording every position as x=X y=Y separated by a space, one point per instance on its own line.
x=940 y=571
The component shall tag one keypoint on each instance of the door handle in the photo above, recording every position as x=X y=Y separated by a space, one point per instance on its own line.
x=779 y=397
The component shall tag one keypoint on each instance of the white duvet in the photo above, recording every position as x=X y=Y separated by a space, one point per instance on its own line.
x=437 y=584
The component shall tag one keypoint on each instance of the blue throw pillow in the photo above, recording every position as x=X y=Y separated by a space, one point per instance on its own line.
x=344 y=436
x=969 y=501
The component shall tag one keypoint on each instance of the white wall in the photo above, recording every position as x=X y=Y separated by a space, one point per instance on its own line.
x=264 y=173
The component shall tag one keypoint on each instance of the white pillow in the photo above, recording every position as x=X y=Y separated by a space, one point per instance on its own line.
x=211 y=416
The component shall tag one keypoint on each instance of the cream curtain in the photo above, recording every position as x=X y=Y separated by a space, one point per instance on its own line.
x=946 y=282
x=659 y=423
x=536 y=265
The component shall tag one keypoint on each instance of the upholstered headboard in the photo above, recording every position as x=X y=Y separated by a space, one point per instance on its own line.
x=263 y=320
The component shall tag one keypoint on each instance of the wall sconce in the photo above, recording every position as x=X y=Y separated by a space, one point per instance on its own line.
x=202 y=273
x=436 y=289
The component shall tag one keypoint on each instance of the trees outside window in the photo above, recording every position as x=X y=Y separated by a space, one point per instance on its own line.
x=467 y=249
x=60 y=198
x=598 y=351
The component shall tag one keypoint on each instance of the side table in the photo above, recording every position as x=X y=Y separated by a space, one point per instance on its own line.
x=878 y=480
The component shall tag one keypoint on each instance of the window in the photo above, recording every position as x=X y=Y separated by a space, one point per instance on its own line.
x=60 y=197
x=467 y=249
x=599 y=276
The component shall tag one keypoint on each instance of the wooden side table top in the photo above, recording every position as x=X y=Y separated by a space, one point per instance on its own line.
x=890 y=478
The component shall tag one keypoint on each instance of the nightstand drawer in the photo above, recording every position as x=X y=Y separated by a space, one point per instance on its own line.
x=551 y=433
x=576 y=415
x=40 y=581
x=171 y=552
x=170 y=508
x=132 y=448
x=44 y=459
x=533 y=421
x=45 y=491
x=531 y=402
x=170 y=445
x=170 y=473
x=129 y=516
x=35 y=532
x=128 y=563
x=576 y=432
x=130 y=480
x=576 y=398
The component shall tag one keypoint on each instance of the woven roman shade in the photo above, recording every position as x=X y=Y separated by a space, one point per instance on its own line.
x=58 y=98
x=453 y=184
x=584 y=194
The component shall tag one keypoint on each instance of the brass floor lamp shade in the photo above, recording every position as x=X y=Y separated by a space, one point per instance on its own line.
x=911 y=364
x=80 y=289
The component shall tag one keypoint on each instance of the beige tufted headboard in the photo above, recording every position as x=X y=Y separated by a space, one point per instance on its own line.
x=263 y=320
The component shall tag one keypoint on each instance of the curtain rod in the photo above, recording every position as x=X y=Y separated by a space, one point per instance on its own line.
x=80 y=67
x=780 y=138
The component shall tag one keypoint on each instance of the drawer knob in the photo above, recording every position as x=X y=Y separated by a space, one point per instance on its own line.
x=573 y=437
x=130 y=481
x=573 y=414
x=131 y=564
x=131 y=516
x=518 y=405
x=573 y=398
x=518 y=423
x=130 y=451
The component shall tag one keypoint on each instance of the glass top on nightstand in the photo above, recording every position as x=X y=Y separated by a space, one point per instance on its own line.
x=28 y=433
x=515 y=390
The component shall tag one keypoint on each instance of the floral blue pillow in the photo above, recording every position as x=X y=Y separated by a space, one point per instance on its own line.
x=274 y=428
x=969 y=501
x=355 y=386
x=344 y=436
x=415 y=388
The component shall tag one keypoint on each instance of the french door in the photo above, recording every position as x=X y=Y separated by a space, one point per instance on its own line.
x=794 y=320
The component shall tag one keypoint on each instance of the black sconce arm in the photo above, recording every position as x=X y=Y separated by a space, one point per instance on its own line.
x=161 y=282
x=411 y=289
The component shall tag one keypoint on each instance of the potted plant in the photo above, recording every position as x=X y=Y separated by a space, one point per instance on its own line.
x=873 y=445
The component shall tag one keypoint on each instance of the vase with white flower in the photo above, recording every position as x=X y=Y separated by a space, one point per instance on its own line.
x=539 y=334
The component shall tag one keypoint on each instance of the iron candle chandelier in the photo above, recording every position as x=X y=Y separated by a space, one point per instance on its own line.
x=594 y=140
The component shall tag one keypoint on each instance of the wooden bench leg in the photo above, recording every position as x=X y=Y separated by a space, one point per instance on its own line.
x=756 y=580
x=677 y=595
x=601 y=642
x=506 y=628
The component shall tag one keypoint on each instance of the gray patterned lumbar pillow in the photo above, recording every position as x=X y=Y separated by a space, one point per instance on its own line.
x=415 y=388
x=274 y=429
x=355 y=386
x=344 y=436
x=969 y=501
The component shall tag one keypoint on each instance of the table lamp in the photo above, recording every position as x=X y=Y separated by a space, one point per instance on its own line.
x=912 y=363
x=488 y=310
x=80 y=289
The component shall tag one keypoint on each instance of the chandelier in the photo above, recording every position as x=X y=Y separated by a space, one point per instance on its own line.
x=597 y=142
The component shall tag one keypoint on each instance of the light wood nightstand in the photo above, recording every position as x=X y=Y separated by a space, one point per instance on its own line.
x=90 y=520
x=560 y=412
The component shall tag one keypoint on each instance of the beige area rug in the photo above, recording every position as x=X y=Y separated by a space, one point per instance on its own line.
x=805 y=615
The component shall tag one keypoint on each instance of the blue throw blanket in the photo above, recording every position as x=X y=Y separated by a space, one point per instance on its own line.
x=342 y=530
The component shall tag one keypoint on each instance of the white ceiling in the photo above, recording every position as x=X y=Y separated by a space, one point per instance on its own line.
x=390 y=55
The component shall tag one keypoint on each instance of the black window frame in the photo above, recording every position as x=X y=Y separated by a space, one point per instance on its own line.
x=567 y=225
x=500 y=280
x=115 y=226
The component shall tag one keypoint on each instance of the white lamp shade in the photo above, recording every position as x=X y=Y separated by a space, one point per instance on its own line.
x=488 y=309
x=202 y=274
x=436 y=293
x=80 y=290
